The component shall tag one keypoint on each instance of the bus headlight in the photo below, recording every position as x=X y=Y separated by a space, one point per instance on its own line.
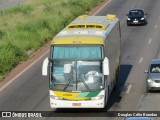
x=149 y=80
x=98 y=97
x=128 y=19
x=142 y=18
x=55 y=97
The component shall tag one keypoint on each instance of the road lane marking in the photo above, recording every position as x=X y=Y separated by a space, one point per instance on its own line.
x=140 y=102
x=150 y=40
x=102 y=7
x=24 y=70
x=155 y=26
x=140 y=60
x=10 y=81
x=129 y=89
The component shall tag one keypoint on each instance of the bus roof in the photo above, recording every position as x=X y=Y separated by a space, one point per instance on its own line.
x=86 y=30
x=77 y=39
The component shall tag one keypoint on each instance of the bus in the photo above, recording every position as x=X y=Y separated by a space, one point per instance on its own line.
x=84 y=62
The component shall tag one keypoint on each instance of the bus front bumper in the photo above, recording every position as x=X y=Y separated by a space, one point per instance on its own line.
x=77 y=104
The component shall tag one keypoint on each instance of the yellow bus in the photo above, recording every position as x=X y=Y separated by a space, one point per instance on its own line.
x=84 y=62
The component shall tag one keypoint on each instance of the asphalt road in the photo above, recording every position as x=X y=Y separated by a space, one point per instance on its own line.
x=29 y=92
x=10 y=3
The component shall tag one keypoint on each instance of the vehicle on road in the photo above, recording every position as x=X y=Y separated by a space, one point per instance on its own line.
x=84 y=62
x=138 y=118
x=136 y=16
x=153 y=78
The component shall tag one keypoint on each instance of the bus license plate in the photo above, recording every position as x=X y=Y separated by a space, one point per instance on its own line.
x=76 y=104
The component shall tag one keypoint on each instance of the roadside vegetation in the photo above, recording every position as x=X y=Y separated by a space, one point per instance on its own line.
x=25 y=28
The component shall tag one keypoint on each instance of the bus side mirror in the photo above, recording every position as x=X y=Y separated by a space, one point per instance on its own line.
x=106 y=66
x=45 y=67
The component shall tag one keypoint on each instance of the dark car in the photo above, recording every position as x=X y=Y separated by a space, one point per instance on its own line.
x=138 y=118
x=136 y=16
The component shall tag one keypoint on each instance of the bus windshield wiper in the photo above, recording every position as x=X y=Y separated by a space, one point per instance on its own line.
x=68 y=82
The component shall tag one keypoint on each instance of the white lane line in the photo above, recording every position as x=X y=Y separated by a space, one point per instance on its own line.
x=9 y=82
x=129 y=89
x=102 y=7
x=150 y=40
x=140 y=60
x=140 y=103
x=155 y=26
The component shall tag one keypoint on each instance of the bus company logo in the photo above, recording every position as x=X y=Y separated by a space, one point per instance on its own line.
x=6 y=114
x=67 y=94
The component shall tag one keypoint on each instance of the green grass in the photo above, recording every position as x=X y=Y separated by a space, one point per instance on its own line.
x=28 y=27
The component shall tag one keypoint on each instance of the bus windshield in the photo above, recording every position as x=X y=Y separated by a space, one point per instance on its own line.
x=77 y=52
x=76 y=68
